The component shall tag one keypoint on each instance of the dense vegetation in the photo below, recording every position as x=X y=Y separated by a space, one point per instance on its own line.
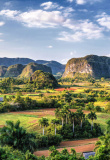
x=80 y=113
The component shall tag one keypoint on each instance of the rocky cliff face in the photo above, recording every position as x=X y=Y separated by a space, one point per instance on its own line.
x=97 y=66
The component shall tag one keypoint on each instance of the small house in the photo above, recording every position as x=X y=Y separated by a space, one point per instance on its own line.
x=87 y=154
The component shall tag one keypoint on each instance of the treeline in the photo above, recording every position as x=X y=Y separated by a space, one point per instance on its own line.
x=18 y=103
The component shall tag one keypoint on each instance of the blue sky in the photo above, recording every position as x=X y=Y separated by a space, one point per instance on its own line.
x=54 y=30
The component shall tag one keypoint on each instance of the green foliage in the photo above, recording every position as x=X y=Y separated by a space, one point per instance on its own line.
x=40 y=80
x=8 y=153
x=63 y=155
x=48 y=140
x=17 y=137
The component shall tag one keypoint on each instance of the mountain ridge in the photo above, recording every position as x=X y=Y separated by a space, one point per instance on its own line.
x=55 y=66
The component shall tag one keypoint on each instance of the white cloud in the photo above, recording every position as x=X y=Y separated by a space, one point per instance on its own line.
x=50 y=46
x=2 y=23
x=73 y=53
x=49 y=5
x=70 y=1
x=9 y=13
x=36 y=18
x=104 y=20
x=82 y=2
x=80 y=30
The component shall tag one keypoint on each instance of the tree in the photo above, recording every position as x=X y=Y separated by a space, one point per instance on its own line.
x=81 y=115
x=102 y=79
x=43 y=123
x=17 y=137
x=92 y=116
x=55 y=122
x=62 y=115
x=57 y=112
x=66 y=110
x=72 y=117
x=107 y=107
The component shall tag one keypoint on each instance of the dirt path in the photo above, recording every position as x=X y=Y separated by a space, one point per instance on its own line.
x=79 y=145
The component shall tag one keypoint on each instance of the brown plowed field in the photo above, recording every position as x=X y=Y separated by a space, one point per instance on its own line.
x=44 y=112
x=79 y=145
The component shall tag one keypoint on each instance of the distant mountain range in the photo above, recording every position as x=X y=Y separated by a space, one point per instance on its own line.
x=57 y=68
x=22 y=71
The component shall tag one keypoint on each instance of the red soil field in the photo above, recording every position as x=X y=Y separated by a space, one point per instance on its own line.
x=67 y=89
x=44 y=112
x=2 y=126
x=79 y=146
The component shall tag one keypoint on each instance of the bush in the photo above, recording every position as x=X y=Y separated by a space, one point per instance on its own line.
x=48 y=140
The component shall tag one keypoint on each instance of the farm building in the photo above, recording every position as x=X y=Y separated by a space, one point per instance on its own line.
x=1 y=99
x=87 y=154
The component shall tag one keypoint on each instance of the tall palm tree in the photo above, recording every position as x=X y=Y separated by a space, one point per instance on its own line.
x=80 y=115
x=66 y=110
x=55 y=122
x=43 y=122
x=57 y=112
x=72 y=117
x=62 y=115
x=92 y=116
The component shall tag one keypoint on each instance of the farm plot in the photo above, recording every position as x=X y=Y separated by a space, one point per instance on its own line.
x=79 y=145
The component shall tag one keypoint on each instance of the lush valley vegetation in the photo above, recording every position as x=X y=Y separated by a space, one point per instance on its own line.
x=39 y=112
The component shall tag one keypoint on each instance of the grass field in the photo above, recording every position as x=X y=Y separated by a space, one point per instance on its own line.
x=29 y=119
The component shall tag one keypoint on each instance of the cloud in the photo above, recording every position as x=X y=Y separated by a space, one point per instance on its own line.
x=36 y=18
x=50 y=46
x=9 y=13
x=82 y=2
x=77 y=29
x=104 y=20
x=73 y=53
x=2 y=23
x=8 y=4
x=70 y=1
x=49 y=5
x=80 y=30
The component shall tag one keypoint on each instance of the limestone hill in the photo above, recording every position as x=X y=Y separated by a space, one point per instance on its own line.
x=3 y=70
x=31 y=68
x=43 y=80
x=57 y=68
x=97 y=66
x=14 y=70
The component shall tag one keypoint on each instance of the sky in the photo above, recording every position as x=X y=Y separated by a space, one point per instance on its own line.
x=54 y=30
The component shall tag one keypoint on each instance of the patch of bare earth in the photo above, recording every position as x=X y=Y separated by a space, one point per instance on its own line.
x=43 y=112
x=79 y=145
x=1 y=126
